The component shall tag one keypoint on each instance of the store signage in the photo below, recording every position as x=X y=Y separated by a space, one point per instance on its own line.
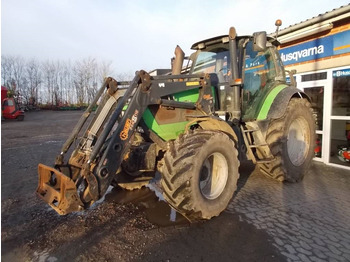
x=317 y=48
x=341 y=73
x=304 y=52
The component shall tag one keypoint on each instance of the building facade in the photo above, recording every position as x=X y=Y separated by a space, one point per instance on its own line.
x=319 y=50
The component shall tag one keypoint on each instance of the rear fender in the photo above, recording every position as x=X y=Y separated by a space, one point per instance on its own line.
x=279 y=104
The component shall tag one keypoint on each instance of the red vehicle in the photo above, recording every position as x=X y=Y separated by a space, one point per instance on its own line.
x=344 y=153
x=9 y=107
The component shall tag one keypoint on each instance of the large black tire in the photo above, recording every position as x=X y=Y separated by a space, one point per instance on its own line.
x=292 y=140
x=20 y=118
x=200 y=174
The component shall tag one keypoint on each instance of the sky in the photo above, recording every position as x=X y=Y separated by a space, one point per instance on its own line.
x=134 y=34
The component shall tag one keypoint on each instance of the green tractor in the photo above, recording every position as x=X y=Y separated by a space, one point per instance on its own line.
x=193 y=126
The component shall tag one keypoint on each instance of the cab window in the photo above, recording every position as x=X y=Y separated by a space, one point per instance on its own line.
x=10 y=103
x=215 y=61
x=259 y=69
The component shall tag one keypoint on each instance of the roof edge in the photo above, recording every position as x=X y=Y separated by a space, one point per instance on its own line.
x=318 y=19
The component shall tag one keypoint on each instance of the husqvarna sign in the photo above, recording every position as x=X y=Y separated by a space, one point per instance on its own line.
x=318 y=48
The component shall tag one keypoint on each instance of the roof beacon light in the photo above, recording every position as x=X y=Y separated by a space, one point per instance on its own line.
x=278 y=23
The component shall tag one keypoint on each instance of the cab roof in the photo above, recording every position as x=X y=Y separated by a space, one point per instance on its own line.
x=221 y=40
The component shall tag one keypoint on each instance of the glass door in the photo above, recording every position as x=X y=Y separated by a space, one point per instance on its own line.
x=340 y=118
x=315 y=85
x=316 y=94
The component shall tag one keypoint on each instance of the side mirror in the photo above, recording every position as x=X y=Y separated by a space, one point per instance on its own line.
x=260 y=40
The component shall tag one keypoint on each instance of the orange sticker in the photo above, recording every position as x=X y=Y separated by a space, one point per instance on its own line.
x=125 y=133
x=129 y=124
x=207 y=97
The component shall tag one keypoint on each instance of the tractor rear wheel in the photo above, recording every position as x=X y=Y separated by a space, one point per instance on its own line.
x=200 y=174
x=291 y=139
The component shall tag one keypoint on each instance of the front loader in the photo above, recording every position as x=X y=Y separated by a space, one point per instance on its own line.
x=193 y=128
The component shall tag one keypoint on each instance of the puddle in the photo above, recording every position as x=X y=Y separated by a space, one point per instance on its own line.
x=157 y=211
x=94 y=205
x=163 y=215
x=44 y=256
x=149 y=199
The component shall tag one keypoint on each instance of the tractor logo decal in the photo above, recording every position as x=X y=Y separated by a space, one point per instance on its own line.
x=124 y=134
x=129 y=124
x=207 y=97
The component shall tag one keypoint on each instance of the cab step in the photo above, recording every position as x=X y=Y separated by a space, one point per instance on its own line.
x=254 y=140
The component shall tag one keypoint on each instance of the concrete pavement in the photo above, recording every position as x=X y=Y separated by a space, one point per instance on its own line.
x=308 y=221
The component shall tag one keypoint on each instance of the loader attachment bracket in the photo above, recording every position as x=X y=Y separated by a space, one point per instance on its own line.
x=58 y=190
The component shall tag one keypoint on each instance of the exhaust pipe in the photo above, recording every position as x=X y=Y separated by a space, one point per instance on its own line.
x=178 y=61
x=236 y=82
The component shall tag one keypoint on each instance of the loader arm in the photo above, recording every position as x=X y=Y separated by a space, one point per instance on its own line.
x=95 y=168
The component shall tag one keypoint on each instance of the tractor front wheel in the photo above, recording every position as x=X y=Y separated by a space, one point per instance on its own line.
x=200 y=174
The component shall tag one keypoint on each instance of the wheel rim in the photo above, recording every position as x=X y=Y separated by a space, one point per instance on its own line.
x=213 y=176
x=298 y=141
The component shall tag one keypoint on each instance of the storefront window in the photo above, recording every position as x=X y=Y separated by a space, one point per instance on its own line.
x=340 y=142
x=314 y=77
x=318 y=147
x=341 y=93
x=340 y=118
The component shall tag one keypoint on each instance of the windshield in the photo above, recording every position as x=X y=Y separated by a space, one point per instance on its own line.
x=213 y=62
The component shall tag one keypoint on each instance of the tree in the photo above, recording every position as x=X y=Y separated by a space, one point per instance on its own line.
x=66 y=83
x=104 y=69
x=50 y=78
x=18 y=65
x=6 y=71
x=33 y=75
x=55 y=82
x=86 y=79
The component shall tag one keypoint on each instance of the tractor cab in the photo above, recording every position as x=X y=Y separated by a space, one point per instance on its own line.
x=258 y=68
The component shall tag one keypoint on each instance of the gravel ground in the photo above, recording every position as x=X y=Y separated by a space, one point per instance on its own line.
x=126 y=226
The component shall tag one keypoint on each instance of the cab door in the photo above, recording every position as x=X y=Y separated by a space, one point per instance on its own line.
x=259 y=76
